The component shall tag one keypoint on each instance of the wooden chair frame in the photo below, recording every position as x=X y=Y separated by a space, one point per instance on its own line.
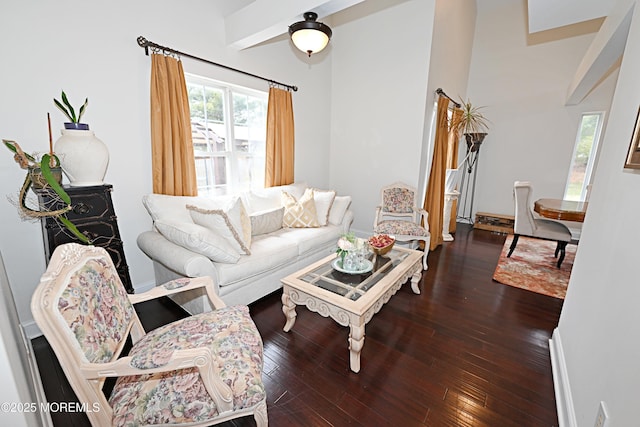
x=417 y=215
x=87 y=379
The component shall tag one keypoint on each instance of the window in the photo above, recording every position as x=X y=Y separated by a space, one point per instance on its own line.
x=584 y=155
x=228 y=126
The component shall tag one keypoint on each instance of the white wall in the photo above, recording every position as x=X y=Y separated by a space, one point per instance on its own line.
x=523 y=85
x=17 y=364
x=379 y=86
x=453 y=30
x=90 y=50
x=600 y=317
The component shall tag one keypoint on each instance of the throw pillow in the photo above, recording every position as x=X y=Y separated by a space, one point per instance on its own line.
x=161 y=206
x=299 y=213
x=270 y=198
x=338 y=209
x=198 y=239
x=231 y=222
x=266 y=221
x=323 y=200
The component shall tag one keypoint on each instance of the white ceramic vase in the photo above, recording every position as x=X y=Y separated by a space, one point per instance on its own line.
x=83 y=157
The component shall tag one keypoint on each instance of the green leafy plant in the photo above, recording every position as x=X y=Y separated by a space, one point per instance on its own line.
x=66 y=107
x=472 y=120
x=49 y=160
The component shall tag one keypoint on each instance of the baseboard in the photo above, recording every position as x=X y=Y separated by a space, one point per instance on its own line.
x=31 y=330
x=564 y=400
x=34 y=371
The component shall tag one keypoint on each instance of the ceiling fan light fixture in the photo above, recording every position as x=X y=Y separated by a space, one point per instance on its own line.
x=309 y=35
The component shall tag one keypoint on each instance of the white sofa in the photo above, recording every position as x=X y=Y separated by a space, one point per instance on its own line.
x=187 y=242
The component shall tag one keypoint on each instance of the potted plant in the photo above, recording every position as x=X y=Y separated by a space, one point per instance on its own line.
x=472 y=124
x=66 y=107
x=43 y=173
x=83 y=156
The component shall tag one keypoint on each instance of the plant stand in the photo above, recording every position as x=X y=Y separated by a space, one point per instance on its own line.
x=468 y=180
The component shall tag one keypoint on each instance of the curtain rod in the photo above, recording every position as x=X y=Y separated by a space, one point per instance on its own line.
x=146 y=44
x=440 y=92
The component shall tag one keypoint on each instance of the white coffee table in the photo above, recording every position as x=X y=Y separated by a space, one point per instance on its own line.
x=350 y=299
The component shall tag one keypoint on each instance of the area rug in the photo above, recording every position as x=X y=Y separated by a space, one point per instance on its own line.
x=532 y=266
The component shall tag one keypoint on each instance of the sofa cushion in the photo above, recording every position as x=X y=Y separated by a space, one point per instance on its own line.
x=268 y=252
x=198 y=239
x=339 y=209
x=323 y=200
x=230 y=221
x=299 y=213
x=308 y=239
x=264 y=222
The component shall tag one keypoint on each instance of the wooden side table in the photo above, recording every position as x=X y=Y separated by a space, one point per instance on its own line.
x=94 y=215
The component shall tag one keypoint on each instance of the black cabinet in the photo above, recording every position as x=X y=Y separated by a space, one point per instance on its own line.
x=92 y=212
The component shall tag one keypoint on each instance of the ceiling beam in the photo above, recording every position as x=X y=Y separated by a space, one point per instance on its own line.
x=265 y=19
x=605 y=50
x=548 y=14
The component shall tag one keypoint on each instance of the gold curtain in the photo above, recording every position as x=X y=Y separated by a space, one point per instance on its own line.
x=172 y=158
x=452 y=161
x=280 y=139
x=434 y=199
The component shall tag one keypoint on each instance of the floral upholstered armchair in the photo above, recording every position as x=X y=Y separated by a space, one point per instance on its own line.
x=399 y=216
x=200 y=370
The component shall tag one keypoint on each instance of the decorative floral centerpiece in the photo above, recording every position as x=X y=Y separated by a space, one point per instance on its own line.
x=352 y=252
x=346 y=243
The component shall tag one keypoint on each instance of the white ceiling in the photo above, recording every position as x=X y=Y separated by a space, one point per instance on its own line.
x=548 y=14
x=250 y=22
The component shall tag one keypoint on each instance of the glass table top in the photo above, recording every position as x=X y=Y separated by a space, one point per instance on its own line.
x=353 y=286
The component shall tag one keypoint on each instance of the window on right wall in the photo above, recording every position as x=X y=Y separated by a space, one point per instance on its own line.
x=584 y=157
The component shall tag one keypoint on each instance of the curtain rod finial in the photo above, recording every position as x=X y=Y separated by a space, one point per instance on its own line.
x=142 y=42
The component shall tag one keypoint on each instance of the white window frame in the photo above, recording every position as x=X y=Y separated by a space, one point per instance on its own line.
x=592 y=156
x=233 y=185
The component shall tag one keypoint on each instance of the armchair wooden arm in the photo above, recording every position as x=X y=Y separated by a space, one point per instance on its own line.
x=177 y=286
x=200 y=358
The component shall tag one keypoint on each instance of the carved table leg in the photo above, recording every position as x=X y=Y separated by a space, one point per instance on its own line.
x=356 y=342
x=415 y=282
x=289 y=310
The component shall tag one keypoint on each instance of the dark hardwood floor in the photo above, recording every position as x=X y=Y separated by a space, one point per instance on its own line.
x=467 y=351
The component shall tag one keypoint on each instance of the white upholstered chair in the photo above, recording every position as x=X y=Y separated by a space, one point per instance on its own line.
x=398 y=215
x=528 y=225
x=199 y=371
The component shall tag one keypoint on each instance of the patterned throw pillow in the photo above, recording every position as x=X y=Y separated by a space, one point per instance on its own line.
x=232 y=222
x=299 y=213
